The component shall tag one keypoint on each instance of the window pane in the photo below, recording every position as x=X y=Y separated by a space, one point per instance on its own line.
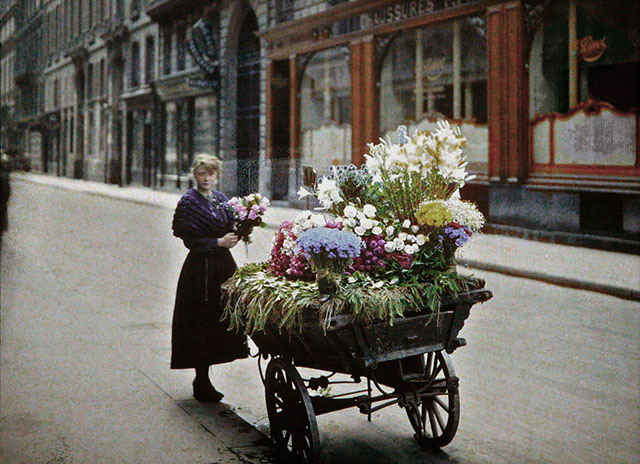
x=205 y=125
x=325 y=110
x=608 y=71
x=171 y=156
x=614 y=76
x=439 y=72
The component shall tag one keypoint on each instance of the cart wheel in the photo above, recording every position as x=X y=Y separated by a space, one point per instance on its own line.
x=435 y=418
x=294 y=429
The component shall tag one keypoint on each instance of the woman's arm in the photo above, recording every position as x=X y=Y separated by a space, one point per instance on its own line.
x=200 y=244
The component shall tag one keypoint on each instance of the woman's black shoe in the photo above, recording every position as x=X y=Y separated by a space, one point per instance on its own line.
x=205 y=393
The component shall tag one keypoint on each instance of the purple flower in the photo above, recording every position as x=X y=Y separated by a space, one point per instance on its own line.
x=330 y=242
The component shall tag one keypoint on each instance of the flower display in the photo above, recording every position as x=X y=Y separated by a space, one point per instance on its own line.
x=248 y=212
x=425 y=166
x=385 y=241
x=330 y=250
x=325 y=244
x=403 y=203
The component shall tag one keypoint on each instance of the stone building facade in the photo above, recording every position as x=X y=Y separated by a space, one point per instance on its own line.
x=114 y=90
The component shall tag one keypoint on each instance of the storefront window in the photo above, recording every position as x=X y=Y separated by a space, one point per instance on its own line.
x=439 y=72
x=137 y=148
x=325 y=109
x=584 y=84
x=205 y=125
x=171 y=152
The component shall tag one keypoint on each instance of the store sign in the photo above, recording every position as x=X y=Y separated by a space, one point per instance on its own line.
x=395 y=13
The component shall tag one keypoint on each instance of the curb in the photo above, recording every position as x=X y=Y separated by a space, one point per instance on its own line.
x=612 y=290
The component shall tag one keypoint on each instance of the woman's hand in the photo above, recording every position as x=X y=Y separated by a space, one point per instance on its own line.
x=229 y=240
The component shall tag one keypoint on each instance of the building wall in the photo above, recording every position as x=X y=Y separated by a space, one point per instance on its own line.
x=77 y=119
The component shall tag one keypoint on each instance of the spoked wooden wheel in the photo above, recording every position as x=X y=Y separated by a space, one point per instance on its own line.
x=435 y=418
x=293 y=423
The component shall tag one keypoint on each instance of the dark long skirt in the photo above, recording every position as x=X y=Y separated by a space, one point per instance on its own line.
x=199 y=338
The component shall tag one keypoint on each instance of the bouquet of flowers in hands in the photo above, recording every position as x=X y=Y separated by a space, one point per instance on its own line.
x=248 y=212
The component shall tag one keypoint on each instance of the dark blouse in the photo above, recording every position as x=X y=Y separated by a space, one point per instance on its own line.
x=199 y=221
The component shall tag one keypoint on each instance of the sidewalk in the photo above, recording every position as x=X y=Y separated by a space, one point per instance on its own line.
x=616 y=274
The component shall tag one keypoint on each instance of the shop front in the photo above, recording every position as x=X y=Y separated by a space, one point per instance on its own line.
x=187 y=125
x=535 y=86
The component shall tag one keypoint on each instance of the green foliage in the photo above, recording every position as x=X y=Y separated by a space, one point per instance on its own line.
x=255 y=298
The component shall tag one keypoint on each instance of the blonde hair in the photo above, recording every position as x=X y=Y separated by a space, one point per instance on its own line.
x=210 y=162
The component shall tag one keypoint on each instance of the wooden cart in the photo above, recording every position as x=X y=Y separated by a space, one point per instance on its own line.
x=405 y=363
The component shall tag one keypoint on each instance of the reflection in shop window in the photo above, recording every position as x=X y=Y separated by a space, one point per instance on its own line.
x=137 y=140
x=581 y=102
x=325 y=110
x=439 y=72
x=205 y=133
x=171 y=153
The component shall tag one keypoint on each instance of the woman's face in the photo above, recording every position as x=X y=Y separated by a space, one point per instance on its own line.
x=205 y=179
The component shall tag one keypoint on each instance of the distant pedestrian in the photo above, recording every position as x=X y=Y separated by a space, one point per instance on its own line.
x=204 y=222
x=5 y=192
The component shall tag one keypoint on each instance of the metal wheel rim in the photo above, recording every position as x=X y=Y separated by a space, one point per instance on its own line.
x=294 y=429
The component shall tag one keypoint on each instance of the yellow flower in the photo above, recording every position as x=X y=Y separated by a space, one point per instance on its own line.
x=433 y=214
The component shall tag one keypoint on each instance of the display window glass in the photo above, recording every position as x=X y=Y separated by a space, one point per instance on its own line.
x=584 y=85
x=325 y=110
x=205 y=125
x=438 y=72
x=171 y=152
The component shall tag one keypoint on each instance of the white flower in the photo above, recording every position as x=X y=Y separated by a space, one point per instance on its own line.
x=350 y=211
x=369 y=210
x=402 y=236
x=366 y=223
x=359 y=230
x=328 y=192
x=302 y=216
x=420 y=240
x=398 y=243
x=377 y=230
x=390 y=231
x=412 y=249
x=317 y=220
x=415 y=229
x=406 y=224
x=389 y=247
x=351 y=222
x=302 y=193
x=411 y=238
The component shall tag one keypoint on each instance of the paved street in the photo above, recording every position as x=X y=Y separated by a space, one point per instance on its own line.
x=550 y=374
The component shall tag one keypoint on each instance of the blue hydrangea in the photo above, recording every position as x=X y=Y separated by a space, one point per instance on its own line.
x=459 y=234
x=333 y=243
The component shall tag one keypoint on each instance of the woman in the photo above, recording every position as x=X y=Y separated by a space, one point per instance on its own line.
x=204 y=222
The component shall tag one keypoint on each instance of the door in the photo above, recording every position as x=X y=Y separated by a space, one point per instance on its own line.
x=248 y=112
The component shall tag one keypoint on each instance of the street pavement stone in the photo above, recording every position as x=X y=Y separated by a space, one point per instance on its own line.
x=550 y=374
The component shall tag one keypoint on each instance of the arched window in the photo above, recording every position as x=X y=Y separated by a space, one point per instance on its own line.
x=325 y=110
x=135 y=64
x=439 y=72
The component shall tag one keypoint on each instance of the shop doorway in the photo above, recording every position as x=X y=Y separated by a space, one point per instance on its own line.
x=248 y=111
x=279 y=116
